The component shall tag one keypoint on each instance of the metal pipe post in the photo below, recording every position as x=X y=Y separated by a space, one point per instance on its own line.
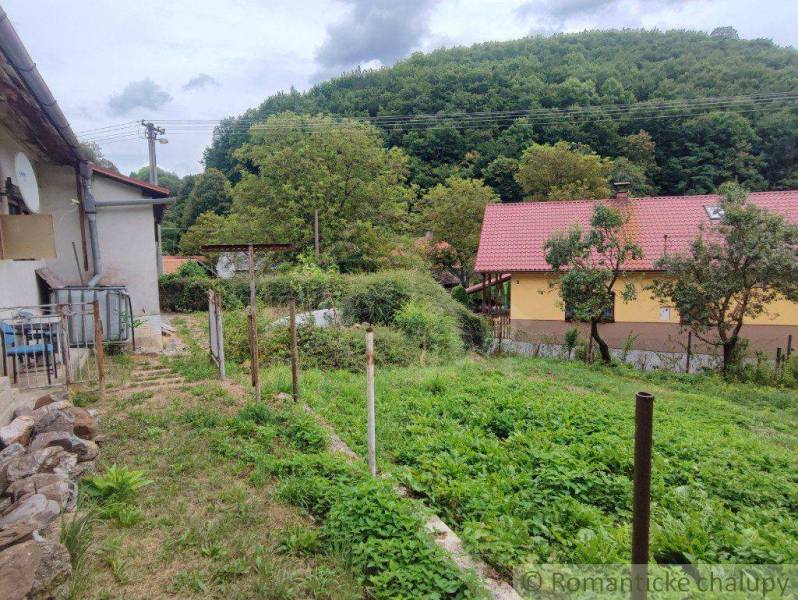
x=294 y=351
x=371 y=419
x=253 y=325
x=99 y=346
x=641 y=502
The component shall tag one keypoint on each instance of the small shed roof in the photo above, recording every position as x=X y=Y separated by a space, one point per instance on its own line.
x=151 y=189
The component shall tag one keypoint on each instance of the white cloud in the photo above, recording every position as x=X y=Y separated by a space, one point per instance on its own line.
x=255 y=48
x=200 y=82
x=138 y=94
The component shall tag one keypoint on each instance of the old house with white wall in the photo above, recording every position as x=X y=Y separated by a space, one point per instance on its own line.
x=70 y=231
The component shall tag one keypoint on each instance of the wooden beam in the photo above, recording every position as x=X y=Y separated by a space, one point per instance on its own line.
x=247 y=247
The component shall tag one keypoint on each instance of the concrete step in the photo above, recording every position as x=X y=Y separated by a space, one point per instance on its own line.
x=152 y=371
x=153 y=385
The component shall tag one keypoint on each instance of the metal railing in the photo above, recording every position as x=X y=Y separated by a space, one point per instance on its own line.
x=39 y=349
x=116 y=312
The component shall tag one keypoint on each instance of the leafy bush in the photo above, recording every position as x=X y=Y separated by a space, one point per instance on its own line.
x=430 y=328
x=192 y=269
x=459 y=294
x=376 y=298
x=333 y=347
x=190 y=294
x=310 y=285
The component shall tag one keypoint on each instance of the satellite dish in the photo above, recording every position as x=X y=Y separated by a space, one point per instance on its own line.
x=26 y=181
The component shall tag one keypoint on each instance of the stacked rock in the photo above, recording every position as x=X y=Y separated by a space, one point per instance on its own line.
x=43 y=451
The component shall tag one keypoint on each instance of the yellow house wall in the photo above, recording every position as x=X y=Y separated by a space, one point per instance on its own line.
x=532 y=298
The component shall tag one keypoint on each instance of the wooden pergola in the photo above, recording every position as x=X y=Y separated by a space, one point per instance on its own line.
x=250 y=249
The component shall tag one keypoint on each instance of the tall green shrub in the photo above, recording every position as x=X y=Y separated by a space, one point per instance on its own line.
x=429 y=328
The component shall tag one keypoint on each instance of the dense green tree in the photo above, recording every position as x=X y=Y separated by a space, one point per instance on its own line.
x=168 y=179
x=211 y=191
x=624 y=170
x=209 y=228
x=563 y=71
x=714 y=148
x=453 y=213
x=777 y=145
x=589 y=264
x=340 y=168
x=562 y=172
x=501 y=176
x=172 y=226
x=732 y=272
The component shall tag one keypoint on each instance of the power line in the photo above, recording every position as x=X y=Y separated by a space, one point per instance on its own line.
x=680 y=108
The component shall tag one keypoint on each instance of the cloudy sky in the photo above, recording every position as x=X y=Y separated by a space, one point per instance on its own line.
x=117 y=61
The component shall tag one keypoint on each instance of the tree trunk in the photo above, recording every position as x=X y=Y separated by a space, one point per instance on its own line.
x=728 y=353
x=603 y=347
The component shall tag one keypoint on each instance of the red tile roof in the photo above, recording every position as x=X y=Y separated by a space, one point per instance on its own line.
x=513 y=235
x=156 y=190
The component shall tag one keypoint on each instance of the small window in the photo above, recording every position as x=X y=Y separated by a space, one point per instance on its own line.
x=608 y=316
x=715 y=213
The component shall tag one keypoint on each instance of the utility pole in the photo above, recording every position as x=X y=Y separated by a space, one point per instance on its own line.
x=152 y=132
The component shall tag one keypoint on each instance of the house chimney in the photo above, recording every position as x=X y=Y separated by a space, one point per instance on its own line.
x=621 y=190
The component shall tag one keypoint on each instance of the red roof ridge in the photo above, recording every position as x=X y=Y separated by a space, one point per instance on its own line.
x=144 y=185
x=513 y=234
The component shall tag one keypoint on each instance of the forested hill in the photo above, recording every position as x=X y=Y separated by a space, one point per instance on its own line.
x=695 y=148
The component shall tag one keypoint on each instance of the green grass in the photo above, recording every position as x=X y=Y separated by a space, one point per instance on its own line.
x=201 y=493
x=531 y=459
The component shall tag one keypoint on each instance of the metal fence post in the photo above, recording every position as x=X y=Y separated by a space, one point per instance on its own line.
x=99 y=347
x=641 y=502
x=294 y=350
x=371 y=419
x=254 y=360
x=64 y=343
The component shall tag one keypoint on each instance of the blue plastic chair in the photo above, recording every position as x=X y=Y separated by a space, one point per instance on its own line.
x=15 y=351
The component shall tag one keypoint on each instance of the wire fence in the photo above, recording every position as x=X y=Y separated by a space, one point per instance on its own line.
x=41 y=346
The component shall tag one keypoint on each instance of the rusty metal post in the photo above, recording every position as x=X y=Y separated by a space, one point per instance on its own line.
x=64 y=342
x=220 y=337
x=689 y=350
x=99 y=347
x=294 y=350
x=641 y=502
x=254 y=360
x=371 y=418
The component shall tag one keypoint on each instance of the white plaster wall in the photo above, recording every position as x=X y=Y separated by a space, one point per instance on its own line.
x=18 y=286
x=58 y=193
x=128 y=254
